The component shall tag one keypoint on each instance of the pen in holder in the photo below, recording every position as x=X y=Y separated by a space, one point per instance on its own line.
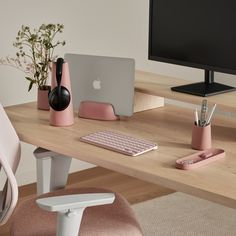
x=201 y=137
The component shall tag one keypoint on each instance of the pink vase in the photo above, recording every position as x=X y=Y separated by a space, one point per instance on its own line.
x=42 y=98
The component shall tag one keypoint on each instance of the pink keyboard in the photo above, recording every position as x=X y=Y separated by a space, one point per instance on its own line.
x=119 y=142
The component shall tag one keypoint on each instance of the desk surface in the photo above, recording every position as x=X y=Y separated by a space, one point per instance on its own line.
x=169 y=126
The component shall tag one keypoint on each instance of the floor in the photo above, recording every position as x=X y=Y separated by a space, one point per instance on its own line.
x=132 y=189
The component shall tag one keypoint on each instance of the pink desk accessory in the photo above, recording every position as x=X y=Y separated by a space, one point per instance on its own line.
x=119 y=142
x=199 y=158
x=97 y=111
x=63 y=117
x=201 y=131
x=201 y=137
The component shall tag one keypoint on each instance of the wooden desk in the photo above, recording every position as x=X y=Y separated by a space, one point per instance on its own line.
x=169 y=126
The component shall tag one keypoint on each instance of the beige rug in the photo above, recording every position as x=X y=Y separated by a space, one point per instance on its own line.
x=180 y=214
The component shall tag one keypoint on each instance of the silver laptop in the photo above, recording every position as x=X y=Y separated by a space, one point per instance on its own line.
x=102 y=79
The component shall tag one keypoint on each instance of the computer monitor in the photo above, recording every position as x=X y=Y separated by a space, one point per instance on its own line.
x=195 y=33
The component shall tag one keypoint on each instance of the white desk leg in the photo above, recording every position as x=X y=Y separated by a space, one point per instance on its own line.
x=60 y=167
x=52 y=170
x=43 y=166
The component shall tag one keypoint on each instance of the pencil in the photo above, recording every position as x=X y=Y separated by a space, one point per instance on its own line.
x=211 y=114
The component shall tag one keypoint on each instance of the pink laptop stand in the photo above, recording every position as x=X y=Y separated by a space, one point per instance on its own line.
x=97 y=111
x=199 y=158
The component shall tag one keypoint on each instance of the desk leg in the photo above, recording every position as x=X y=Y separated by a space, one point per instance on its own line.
x=52 y=170
x=60 y=167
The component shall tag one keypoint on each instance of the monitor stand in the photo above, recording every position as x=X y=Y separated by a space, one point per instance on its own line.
x=97 y=111
x=204 y=89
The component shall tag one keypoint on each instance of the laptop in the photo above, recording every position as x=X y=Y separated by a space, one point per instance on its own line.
x=102 y=79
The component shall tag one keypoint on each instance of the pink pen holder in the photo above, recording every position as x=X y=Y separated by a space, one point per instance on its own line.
x=201 y=137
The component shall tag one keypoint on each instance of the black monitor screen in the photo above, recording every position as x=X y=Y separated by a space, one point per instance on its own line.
x=197 y=33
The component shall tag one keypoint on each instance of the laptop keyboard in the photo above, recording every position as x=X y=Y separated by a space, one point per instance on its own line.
x=119 y=142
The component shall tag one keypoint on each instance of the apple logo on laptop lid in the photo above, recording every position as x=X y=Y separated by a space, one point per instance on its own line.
x=97 y=84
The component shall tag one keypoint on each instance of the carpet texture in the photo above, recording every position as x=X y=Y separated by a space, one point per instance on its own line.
x=180 y=214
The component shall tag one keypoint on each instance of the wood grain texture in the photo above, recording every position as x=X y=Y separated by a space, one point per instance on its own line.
x=169 y=126
x=143 y=101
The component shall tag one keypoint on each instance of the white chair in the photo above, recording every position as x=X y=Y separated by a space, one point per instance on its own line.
x=59 y=212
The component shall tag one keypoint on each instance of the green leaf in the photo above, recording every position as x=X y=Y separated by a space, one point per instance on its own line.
x=28 y=78
x=30 y=86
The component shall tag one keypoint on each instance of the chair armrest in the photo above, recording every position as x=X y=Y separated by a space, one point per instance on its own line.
x=75 y=201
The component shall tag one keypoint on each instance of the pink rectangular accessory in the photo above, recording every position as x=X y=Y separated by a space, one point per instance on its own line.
x=119 y=142
x=199 y=158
